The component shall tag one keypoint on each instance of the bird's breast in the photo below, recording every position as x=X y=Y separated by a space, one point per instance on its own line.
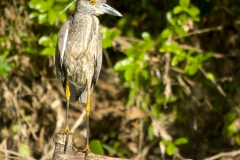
x=81 y=47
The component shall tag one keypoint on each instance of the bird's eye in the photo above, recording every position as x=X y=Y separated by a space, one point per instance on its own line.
x=92 y=2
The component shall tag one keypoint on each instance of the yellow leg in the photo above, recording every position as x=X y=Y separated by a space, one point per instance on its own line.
x=88 y=110
x=66 y=130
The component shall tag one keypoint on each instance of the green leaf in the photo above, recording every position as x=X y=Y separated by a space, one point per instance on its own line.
x=128 y=74
x=33 y=3
x=150 y=132
x=44 y=40
x=180 y=141
x=24 y=150
x=42 y=18
x=14 y=128
x=166 y=142
x=237 y=138
x=177 y=9
x=50 y=3
x=51 y=17
x=192 y=69
x=193 y=11
x=171 y=149
x=196 y=19
x=4 y=67
x=184 y=3
x=96 y=147
x=174 y=61
x=231 y=116
x=62 y=17
x=123 y=64
x=146 y=36
x=5 y=132
x=211 y=76
x=42 y=7
x=109 y=149
x=33 y=15
x=229 y=124
x=166 y=33
x=180 y=31
x=48 y=51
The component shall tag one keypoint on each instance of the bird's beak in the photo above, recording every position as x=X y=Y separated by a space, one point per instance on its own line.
x=108 y=9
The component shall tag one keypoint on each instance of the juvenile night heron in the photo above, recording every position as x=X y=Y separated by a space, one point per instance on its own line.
x=78 y=57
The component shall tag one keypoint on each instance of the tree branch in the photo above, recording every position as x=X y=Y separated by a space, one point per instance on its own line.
x=64 y=150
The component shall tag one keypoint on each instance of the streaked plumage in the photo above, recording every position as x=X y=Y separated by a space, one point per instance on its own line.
x=78 y=56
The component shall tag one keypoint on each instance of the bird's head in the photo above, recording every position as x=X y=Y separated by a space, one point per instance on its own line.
x=96 y=7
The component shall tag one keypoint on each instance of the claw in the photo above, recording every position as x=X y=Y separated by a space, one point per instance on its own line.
x=86 y=149
x=66 y=131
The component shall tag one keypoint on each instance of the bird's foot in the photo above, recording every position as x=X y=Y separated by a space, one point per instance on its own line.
x=65 y=131
x=86 y=149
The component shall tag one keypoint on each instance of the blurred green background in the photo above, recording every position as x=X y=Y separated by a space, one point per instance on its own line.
x=169 y=85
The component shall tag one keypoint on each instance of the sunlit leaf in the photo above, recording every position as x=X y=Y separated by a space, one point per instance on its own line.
x=184 y=3
x=191 y=69
x=123 y=64
x=150 y=132
x=166 y=33
x=180 y=141
x=146 y=36
x=211 y=76
x=24 y=149
x=96 y=147
x=51 y=17
x=177 y=9
x=128 y=74
x=180 y=31
x=171 y=149
x=42 y=18
x=193 y=11
x=33 y=15
x=165 y=142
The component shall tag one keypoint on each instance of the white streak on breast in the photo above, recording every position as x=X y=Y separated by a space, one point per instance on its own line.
x=64 y=45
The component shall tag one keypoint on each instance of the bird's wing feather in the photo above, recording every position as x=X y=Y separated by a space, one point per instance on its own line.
x=98 y=60
x=60 y=50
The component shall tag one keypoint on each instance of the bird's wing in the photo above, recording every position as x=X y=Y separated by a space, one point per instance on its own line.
x=60 y=50
x=98 y=62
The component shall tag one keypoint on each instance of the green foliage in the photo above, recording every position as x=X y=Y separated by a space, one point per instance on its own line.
x=108 y=36
x=113 y=149
x=172 y=146
x=229 y=125
x=48 y=11
x=96 y=147
x=49 y=44
x=24 y=149
x=4 y=67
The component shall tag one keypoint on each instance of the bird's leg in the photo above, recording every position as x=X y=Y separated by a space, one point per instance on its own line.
x=66 y=130
x=88 y=110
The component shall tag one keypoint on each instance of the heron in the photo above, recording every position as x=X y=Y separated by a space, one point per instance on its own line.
x=78 y=57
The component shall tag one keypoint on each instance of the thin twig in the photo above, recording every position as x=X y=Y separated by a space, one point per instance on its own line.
x=198 y=50
x=16 y=154
x=200 y=31
x=224 y=154
x=16 y=105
